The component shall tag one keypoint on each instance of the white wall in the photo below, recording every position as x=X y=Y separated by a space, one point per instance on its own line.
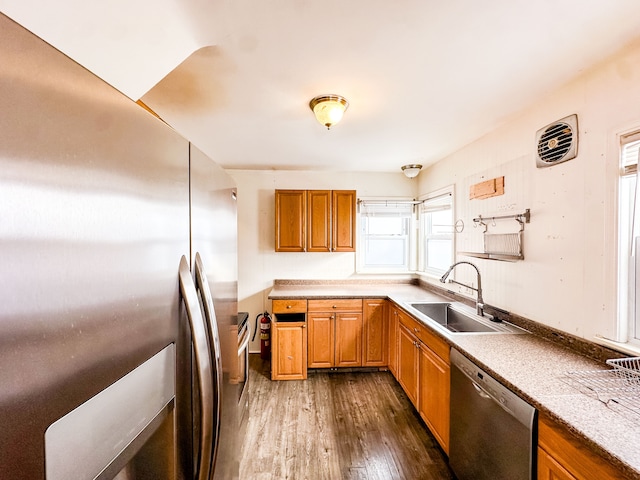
x=258 y=262
x=567 y=279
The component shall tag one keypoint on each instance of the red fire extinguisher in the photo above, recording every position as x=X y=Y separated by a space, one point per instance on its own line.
x=265 y=335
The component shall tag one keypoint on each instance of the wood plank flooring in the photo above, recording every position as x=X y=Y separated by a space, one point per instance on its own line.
x=335 y=426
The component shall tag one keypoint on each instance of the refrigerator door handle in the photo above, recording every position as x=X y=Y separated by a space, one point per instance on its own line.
x=203 y=367
x=202 y=284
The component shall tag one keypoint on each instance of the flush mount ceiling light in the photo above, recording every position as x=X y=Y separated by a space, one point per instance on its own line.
x=411 y=171
x=328 y=109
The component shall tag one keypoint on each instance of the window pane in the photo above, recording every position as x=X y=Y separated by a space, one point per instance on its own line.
x=386 y=226
x=436 y=233
x=385 y=241
x=439 y=254
x=386 y=252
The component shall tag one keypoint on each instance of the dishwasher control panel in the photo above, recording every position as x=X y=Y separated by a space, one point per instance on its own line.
x=485 y=384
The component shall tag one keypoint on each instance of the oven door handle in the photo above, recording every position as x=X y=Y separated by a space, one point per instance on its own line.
x=243 y=341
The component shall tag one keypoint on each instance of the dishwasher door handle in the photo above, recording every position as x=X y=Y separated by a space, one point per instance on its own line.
x=480 y=391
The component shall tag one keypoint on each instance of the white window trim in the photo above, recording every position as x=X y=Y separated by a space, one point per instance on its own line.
x=422 y=270
x=616 y=333
x=360 y=269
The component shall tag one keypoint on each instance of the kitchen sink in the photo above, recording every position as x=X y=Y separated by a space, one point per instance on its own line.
x=456 y=320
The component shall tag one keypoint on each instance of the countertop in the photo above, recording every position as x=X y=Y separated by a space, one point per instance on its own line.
x=533 y=367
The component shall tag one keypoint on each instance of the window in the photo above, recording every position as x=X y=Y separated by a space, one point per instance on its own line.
x=385 y=235
x=436 y=232
x=629 y=239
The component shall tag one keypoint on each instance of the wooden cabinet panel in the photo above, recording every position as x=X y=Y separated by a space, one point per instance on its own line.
x=319 y=221
x=408 y=363
x=289 y=351
x=321 y=331
x=289 y=306
x=570 y=456
x=393 y=340
x=434 y=394
x=335 y=333
x=374 y=333
x=315 y=220
x=344 y=221
x=335 y=305
x=348 y=340
x=291 y=220
x=549 y=469
x=425 y=375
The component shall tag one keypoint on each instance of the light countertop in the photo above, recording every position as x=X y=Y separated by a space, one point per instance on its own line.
x=533 y=367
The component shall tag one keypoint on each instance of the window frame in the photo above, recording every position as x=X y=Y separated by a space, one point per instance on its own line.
x=628 y=229
x=361 y=264
x=424 y=234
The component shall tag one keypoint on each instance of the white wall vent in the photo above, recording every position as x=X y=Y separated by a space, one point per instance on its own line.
x=557 y=142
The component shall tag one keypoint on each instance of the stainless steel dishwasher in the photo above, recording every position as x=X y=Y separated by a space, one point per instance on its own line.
x=492 y=429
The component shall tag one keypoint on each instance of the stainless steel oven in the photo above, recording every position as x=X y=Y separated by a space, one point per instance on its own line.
x=244 y=335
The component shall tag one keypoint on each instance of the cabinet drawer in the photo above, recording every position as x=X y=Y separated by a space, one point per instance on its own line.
x=289 y=306
x=343 y=305
x=431 y=340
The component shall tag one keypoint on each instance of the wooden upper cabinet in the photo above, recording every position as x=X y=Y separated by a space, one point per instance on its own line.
x=344 y=221
x=319 y=221
x=315 y=220
x=291 y=220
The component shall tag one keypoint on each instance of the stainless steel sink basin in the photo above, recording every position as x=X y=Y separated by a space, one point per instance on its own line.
x=456 y=320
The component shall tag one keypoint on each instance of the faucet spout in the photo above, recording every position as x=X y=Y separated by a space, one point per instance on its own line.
x=479 y=300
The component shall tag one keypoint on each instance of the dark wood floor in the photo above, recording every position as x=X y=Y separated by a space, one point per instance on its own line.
x=335 y=426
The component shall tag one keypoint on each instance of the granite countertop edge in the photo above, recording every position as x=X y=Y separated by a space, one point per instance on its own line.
x=533 y=367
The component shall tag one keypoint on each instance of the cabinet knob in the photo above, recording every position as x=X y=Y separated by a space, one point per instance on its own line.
x=335 y=306
x=303 y=326
x=288 y=306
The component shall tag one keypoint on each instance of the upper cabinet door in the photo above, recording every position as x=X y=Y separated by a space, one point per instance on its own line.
x=315 y=221
x=319 y=220
x=291 y=220
x=344 y=221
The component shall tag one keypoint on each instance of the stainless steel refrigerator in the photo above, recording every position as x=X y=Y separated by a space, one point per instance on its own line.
x=118 y=281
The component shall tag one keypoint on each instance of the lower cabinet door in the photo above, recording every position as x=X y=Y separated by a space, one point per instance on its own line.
x=408 y=363
x=549 y=469
x=321 y=340
x=434 y=395
x=348 y=340
x=289 y=351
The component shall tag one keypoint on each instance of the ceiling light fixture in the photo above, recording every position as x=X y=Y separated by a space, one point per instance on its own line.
x=328 y=109
x=411 y=171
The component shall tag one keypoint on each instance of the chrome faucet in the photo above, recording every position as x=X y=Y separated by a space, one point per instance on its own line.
x=479 y=301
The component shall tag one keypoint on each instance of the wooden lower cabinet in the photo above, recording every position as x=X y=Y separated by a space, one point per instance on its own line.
x=424 y=373
x=434 y=394
x=550 y=469
x=562 y=456
x=289 y=351
x=321 y=340
x=374 y=333
x=348 y=351
x=393 y=339
x=408 y=361
x=335 y=333
x=289 y=340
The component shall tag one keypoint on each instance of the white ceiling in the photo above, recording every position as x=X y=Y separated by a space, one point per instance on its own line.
x=423 y=78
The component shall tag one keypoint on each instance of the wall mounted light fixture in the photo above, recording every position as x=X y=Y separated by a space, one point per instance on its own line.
x=411 y=171
x=328 y=109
